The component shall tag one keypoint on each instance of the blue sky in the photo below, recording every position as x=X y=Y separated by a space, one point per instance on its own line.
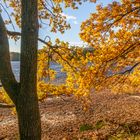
x=74 y=17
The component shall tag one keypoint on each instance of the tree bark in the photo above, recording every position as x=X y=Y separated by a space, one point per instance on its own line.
x=6 y=75
x=23 y=94
x=27 y=105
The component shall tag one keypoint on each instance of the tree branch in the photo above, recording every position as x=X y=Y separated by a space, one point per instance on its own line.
x=12 y=33
x=7 y=77
x=124 y=52
x=8 y=16
x=3 y=105
x=131 y=69
x=126 y=71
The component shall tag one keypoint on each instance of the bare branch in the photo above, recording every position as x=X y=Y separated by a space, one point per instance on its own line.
x=128 y=71
x=131 y=69
x=47 y=8
x=8 y=16
x=41 y=21
x=11 y=33
x=51 y=5
x=3 y=105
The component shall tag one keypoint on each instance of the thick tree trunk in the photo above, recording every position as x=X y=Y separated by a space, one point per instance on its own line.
x=23 y=95
x=27 y=105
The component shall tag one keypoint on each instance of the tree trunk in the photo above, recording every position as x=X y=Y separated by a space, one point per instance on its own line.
x=23 y=94
x=27 y=105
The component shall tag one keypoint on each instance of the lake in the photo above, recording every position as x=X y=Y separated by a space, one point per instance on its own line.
x=53 y=65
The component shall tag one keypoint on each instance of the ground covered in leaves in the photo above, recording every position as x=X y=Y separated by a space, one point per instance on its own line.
x=109 y=117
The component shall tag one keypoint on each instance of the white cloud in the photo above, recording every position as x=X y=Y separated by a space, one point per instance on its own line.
x=80 y=43
x=75 y=22
x=70 y=17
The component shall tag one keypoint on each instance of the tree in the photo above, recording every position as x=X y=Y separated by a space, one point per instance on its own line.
x=113 y=35
x=113 y=31
x=24 y=93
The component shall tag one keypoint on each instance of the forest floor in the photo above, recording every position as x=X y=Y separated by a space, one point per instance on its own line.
x=109 y=117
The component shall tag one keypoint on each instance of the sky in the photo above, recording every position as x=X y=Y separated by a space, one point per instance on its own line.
x=74 y=17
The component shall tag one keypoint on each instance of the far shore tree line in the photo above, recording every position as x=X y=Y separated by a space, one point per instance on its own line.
x=14 y=56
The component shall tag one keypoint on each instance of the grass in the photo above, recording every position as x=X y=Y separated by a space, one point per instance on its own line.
x=125 y=131
x=85 y=127
x=98 y=125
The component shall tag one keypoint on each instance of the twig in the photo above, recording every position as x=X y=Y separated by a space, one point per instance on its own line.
x=8 y=16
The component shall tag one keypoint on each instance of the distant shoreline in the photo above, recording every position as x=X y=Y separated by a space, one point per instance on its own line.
x=14 y=56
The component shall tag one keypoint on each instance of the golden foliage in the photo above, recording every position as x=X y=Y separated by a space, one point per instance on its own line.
x=113 y=33
x=49 y=12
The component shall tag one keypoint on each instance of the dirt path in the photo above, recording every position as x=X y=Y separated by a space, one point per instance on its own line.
x=62 y=119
